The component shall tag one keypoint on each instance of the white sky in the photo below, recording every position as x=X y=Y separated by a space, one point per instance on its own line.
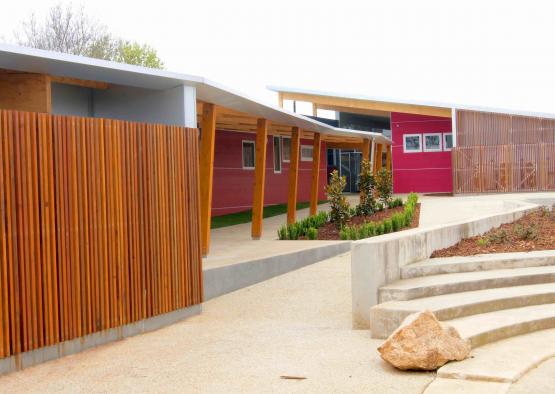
x=486 y=53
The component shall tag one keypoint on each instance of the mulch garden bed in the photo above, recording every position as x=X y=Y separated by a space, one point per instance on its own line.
x=534 y=231
x=330 y=232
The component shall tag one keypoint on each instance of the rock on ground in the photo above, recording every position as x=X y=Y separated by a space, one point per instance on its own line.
x=423 y=343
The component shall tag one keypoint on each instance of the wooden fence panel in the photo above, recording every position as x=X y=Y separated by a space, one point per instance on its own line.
x=98 y=226
x=503 y=153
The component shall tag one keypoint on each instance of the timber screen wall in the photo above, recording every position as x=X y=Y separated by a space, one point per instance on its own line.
x=99 y=226
x=503 y=153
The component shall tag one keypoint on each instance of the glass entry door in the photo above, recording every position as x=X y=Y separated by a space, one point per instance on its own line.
x=350 y=169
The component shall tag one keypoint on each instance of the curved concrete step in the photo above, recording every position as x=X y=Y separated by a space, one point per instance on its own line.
x=516 y=355
x=494 y=326
x=429 y=286
x=386 y=317
x=483 y=262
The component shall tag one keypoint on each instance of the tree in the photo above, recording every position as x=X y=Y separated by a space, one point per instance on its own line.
x=72 y=31
x=366 y=184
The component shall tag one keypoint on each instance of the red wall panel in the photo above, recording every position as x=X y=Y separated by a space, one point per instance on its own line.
x=424 y=172
x=233 y=185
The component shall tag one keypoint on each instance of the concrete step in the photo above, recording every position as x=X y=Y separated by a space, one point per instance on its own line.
x=494 y=326
x=386 y=317
x=483 y=262
x=434 y=285
x=516 y=355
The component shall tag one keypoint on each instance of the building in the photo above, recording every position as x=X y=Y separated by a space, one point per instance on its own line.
x=251 y=154
x=446 y=148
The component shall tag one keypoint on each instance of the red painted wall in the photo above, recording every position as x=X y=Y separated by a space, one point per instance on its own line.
x=233 y=185
x=424 y=172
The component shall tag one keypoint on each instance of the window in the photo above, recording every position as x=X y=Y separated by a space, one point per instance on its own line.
x=412 y=143
x=248 y=155
x=277 y=154
x=447 y=141
x=286 y=145
x=432 y=142
x=306 y=152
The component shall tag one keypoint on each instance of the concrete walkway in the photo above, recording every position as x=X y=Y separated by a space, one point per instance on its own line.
x=233 y=244
x=298 y=324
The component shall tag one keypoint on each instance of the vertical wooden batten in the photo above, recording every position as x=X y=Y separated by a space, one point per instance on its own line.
x=206 y=167
x=293 y=176
x=259 y=178
x=315 y=174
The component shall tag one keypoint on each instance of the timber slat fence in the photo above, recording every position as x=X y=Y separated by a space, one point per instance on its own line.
x=503 y=153
x=99 y=226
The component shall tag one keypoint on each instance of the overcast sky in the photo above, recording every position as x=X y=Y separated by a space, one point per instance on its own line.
x=486 y=53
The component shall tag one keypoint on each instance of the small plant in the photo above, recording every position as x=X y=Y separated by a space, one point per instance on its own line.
x=526 y=232
x=293 y=231
x=379 y=207
x=397 y=221
x=380 y=229
x=312 y=233
x=395 y=203
x=282 y=233
x=387 y=226
x=339 y=206
x=384 y=185
x=498 y=237
x=482 y=242
x=344 y=234
x=367 y=203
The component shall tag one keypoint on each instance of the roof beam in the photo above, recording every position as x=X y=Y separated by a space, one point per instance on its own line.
x=383 y=106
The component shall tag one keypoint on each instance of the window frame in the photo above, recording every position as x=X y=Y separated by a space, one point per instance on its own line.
x=438 y=149
x=283 y=159
x=248 y=142
x=405 y=150
x=311 y=147
x=279 y=154
x=445 y=148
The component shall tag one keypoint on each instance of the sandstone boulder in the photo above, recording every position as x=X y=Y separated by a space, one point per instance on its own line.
x=423 y=343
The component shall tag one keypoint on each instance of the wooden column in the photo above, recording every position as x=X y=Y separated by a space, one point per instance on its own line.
x=259 y=178
x=366 y=149
x=315 y=174
x=293 y=175
x=388 y=158
x=378 y=158
x=206 y=171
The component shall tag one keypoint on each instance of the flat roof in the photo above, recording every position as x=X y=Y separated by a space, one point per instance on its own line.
x=66 y=65
x=284 y=89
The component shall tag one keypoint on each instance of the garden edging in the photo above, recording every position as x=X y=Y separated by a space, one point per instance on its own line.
x=377 y=261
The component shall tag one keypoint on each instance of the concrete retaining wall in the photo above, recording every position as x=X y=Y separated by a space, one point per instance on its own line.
x=376 y=262
x=223 y=280
x=34 y=357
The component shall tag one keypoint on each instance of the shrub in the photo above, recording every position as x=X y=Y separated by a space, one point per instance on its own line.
x=380 y=229
x=367 y=203
x=370 y=229
x=339 y=213
x=379 y=206
x=353 y=232
x=384 y=185
x=362 y=232
x=312 y=233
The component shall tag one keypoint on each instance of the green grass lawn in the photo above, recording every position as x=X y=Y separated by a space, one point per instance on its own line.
x=246 y=216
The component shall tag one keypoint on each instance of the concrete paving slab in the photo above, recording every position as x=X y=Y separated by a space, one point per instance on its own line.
x=297 y=324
